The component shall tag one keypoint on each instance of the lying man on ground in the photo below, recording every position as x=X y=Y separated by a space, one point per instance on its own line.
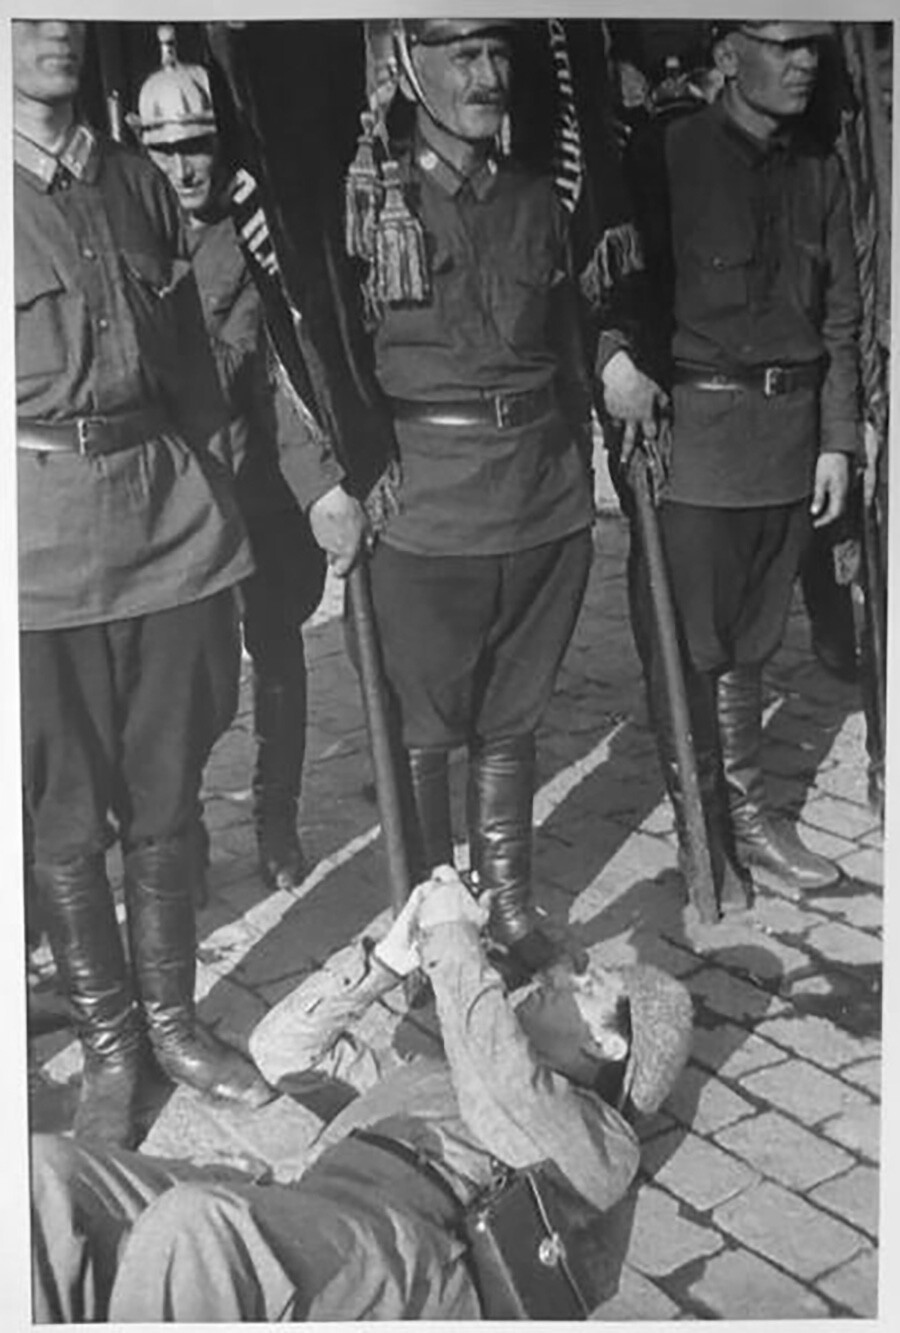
x=371 y=1228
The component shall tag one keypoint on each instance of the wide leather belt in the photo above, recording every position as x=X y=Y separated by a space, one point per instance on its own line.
x=421 y=1164
x=502 y=411
x=771 y=381
x=91 y=436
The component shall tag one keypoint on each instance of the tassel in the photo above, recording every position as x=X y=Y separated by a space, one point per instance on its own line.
x=401 y=260
x=361 y=192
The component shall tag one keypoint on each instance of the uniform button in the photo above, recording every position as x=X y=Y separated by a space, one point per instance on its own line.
x=88 y=253
x=102 y=325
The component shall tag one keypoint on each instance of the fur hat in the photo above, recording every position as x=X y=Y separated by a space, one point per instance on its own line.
x=661 y=1029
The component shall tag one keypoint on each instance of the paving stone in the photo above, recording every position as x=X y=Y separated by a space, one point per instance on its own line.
x=866 y=1075
x=866 y=864
x=636 y=1298
x=842 y=817
x=774 y=914
x=777 y=1147
x=804 y=1091
x=739 y=1285
x=855 y=1285
x=731 y=1051
x=703 y=1102
x=695 y=1169
x=662 y=1240
x=843 y=944
x=854 y=1196
x=865 y=911
x=826 y=843
x=788 y=1230
x=818 y=1039
x=859 y=1129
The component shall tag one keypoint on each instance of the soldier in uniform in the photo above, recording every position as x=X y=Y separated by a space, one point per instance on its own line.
x=478 y=580
x=749 y=250
x=282 y=468
x=130 y=549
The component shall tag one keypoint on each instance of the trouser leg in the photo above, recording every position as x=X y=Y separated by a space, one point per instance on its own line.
x=284 y=591
x=84 y=1200
x=758 y=841
x=279 y=718
x=426 y=806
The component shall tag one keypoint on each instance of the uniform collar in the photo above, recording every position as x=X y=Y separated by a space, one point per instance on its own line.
x=436 y=168
x=753 y=150
x=79 y=159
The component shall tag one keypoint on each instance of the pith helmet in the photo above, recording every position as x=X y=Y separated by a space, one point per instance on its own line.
x=175 y=101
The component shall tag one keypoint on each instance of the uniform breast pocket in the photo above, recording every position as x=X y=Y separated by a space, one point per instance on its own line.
x=722 y=275
x=154 y=287
x=521 y=300
x=45 y=316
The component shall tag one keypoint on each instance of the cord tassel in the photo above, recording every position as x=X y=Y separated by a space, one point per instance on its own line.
x=361 y=193
x=401 y=258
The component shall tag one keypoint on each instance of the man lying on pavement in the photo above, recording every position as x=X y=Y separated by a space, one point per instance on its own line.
x=370 y=1229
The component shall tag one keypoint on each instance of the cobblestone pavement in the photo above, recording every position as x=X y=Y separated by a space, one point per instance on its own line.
x=758 y=1195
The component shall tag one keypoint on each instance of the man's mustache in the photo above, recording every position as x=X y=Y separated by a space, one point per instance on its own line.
x=487 y=99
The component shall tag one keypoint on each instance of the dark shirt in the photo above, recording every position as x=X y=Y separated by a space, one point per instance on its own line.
x=501 y=319
x=279 y=459
x=750 y=248
x=108 y=322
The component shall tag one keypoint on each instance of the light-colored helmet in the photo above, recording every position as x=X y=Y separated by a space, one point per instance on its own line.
x=175 y=101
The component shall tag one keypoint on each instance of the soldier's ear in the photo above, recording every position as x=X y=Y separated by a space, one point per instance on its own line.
x=725 y=57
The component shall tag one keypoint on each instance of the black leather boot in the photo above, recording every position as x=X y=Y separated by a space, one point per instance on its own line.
x=500 y=797
x=162 y=935
x=429 y=832
x=279 y=716
x=758 y=840
x=732 y=884
x=80 y=918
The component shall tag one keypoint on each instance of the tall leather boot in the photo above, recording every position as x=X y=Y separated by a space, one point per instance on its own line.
x=500 y=797
x=429 y=832
x=80 y=918
x=758 y=840
x=162 y=935
x=279 y=716
x=732 y=885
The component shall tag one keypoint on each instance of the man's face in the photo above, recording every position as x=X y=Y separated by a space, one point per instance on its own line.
x=571 y=1021
x=773 y=67
x=191 y=167
x=47 y=56
x=466 y=83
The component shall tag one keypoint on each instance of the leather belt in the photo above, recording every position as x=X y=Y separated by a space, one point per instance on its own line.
x=424 y=1165
x=90 y=436
x=502 y=411
x=771 y=381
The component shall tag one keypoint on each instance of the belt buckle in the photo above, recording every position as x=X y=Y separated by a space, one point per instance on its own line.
x=503 y=411
x=83 y=434
x=774 y=381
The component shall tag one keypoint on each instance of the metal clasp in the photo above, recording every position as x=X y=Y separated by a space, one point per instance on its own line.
x=774 y=381
x=551 y=1250
x=502 y=411
x=83 y=434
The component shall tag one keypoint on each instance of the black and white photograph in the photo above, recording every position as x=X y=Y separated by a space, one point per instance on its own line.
x=448 y=676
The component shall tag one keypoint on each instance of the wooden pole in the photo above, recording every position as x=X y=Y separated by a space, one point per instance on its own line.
x=701 y=886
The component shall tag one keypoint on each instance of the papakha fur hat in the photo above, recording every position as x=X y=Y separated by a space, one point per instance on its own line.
x=661 y=1033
